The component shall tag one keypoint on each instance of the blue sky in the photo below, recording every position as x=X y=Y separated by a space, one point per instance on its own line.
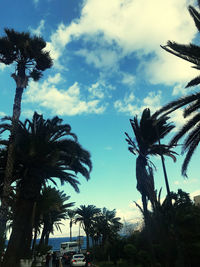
x=108 y=66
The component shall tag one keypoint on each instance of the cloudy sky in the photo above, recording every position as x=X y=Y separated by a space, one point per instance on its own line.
x=108 y=67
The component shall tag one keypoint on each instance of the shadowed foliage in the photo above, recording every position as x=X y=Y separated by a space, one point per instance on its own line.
x=45 y=150
x=29 y=58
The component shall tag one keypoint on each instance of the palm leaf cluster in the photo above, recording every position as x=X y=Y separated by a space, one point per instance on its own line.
x=27 y=52
x=101 y=225
x=51 y=208
x=190 y=131
x=43 y=149
x=189 y=52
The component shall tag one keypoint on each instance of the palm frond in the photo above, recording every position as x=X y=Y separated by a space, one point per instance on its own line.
x=186 y=127
x=189 y=155
x=195 y=15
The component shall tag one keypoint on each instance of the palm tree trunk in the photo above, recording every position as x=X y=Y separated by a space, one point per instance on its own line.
x=87 y=241
x=9 y=167
x=34 y=239
x=19 y=245
x=70 y=228
x=42 y=238
x=20 y=240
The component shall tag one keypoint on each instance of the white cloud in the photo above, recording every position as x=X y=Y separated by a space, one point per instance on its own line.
x=61 y=102
x=3 y=66
x=100 y=58
x=55 y=79
x=96 y=90
x=131 y=26
x=128 y=79
x=38 y=31
x=132 y=106
x=2 y=114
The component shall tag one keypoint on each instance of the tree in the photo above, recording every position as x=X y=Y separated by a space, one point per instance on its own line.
x=54 y=209
x=147 y=135
x=71 y=216
x=86 y=216
x=186 y=220
x=44 y=152
x=110 y=225
x=30 y=59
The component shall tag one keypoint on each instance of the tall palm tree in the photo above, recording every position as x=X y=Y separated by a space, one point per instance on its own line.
x=86 y=216
x=27 y=55
x=71 y=216
x=148 y=133
x=189 y=52
x=45 y=150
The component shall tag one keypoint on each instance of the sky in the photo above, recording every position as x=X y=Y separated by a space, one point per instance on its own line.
x=108 y=67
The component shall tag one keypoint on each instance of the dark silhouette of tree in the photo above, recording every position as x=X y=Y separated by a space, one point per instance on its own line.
x=148 y=133
x=29 y=58
x=46 y=150
x=71 y=216
x=54 y=208
x=86 y=216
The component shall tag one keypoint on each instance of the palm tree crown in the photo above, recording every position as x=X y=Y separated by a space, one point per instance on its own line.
x=86 y=216
x=26 y=52
x=147 y=135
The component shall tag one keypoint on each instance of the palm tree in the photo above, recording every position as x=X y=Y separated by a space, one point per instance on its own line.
x=44 y=152
x=110 y=224
x=27 y=54
x=189 y=52
x=71 y=216
x=147 y=136
x=86 y=216
x=54 y=209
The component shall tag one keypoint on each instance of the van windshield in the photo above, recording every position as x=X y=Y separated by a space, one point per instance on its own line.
x=73 y=245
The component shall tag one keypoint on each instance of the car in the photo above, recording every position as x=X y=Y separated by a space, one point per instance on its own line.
x=78 y=260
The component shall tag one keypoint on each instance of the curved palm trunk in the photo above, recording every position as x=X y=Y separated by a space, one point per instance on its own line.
x=19 y=245
x=145 y=189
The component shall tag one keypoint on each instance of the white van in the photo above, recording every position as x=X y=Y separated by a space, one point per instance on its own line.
x=69 y=247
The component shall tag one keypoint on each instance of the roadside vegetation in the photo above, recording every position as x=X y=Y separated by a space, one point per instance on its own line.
x=36 y=154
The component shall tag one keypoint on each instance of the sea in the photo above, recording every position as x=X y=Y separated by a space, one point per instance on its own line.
x=56 y=241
